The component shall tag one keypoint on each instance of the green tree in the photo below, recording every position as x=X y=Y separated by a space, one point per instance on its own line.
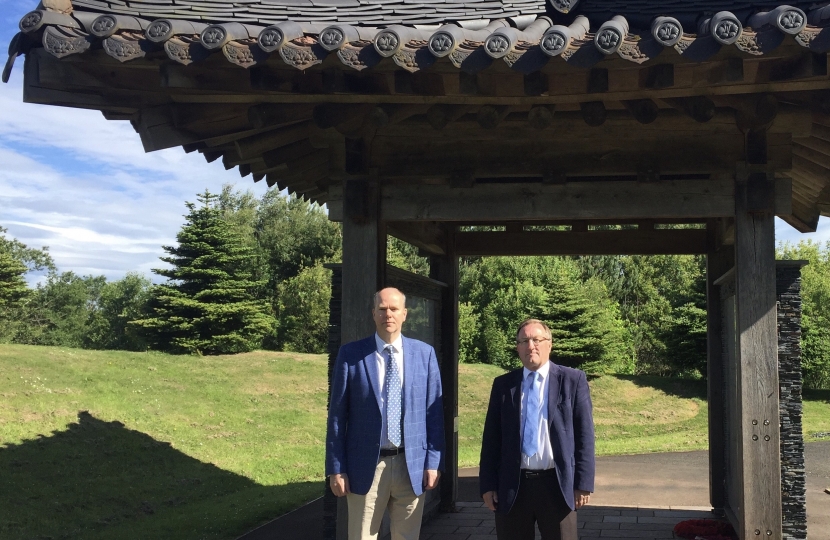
x=208 y=304
x=34 y=259
x=304 y=310
x=118 y=303
x=59 y=309
x=293 y=235
x=405 y=256
x=12 y=283
x=503 y=291
x=661 y=299
x=815 y=306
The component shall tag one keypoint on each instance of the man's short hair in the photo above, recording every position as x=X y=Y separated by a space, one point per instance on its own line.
x=376 y=297
x=527 y=322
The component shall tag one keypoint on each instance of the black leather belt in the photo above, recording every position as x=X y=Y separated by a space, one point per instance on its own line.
x=386 y=452
x=533 y=473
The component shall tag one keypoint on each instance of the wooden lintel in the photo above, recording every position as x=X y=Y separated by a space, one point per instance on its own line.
x=536 y=202
x=574 y=200
x=625 y=242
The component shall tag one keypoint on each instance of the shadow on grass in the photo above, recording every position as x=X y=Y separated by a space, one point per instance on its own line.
x=100 y=480
x=682 y=388
x=817 y=395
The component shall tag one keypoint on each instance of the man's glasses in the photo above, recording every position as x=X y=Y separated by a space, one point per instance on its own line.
x=535 y=341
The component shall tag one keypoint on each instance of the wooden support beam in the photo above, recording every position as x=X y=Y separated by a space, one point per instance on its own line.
x=445 y=268
x=427 y=236
x=759 y=511
x=293 y=151
x=263 y=142
x=274 y=114
x=719 y=259
x=752 y=112
x=574 y=200
x=624 y=242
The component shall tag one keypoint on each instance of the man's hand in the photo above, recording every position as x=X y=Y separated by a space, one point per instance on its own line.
x=431 y=479
x=491 y=499
x=581 y=498
x=339 y=484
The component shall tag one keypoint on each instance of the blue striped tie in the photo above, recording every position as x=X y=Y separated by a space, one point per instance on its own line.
x=393 y=397
x=530 y=440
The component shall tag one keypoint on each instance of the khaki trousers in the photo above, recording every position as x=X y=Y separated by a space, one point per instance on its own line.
x=391 y=489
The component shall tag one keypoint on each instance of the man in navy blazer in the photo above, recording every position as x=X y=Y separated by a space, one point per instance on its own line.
x=537 y=453
x=385 y=438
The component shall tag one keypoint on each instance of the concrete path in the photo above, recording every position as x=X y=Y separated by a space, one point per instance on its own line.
x=640 y=496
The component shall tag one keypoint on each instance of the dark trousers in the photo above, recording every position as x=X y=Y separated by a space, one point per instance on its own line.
x=539 y=500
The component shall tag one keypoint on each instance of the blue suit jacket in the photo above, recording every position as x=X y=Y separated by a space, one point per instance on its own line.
x=571 y=427
x=354 y=422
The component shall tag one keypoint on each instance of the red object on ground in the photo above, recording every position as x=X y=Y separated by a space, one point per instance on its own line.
x=705 y=528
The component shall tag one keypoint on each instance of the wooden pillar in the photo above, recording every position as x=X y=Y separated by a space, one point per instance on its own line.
x=445 y=268
x=364 y=273
x=759 y=512
x=718 y=261
x=364 y=257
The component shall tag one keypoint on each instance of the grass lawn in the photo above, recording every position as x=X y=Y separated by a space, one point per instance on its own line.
x=99 y=445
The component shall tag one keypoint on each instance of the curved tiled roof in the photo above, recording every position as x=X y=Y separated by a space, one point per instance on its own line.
x=472 y=36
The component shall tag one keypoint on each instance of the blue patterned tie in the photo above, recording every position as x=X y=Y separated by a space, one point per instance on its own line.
x=530 y=440
x=393 y=397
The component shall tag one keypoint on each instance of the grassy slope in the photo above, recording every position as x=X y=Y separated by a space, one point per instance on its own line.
x=172 y=447
x=187 y=447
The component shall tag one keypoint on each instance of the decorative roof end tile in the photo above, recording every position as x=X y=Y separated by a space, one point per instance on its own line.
x=275 y=36
x=610 y=36
x=667 y=31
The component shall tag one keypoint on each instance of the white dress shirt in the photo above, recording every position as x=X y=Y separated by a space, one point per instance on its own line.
x=397 y=354
x=544 y=460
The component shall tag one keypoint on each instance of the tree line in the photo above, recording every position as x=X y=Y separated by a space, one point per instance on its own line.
x=249 y=273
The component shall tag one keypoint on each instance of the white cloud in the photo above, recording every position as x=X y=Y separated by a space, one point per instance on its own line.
x=82 y=185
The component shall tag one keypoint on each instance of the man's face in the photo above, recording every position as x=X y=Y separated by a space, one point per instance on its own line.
x=533 y=346
x=389 y=313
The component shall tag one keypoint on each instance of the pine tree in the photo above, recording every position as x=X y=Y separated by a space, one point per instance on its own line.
x=207 y=305
x=12 y=285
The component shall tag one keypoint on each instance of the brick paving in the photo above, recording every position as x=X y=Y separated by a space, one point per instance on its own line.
x=473 y=521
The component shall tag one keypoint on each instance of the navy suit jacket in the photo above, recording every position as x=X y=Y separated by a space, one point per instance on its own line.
x=354 y=421
x=571 y=427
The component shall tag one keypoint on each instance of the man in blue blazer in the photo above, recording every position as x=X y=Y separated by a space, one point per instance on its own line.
x=537 y=453
x=385 y=438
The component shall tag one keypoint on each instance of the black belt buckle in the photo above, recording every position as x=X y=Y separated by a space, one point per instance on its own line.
x=387 y=452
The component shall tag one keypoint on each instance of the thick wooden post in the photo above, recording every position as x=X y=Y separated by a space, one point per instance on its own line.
x=445 y=268
x=718 y=261
x=759 y=512
x=364 y=273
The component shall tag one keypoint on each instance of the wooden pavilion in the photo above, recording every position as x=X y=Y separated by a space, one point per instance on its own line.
x=547 y=120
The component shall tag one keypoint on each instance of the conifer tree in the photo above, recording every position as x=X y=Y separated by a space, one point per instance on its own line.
x=207 y=305
x=12 y=285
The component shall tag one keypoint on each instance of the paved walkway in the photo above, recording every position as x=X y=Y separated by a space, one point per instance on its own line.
x=630 y=501
x=474 y=521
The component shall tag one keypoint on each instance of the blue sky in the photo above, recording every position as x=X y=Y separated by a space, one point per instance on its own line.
x=82 y=185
